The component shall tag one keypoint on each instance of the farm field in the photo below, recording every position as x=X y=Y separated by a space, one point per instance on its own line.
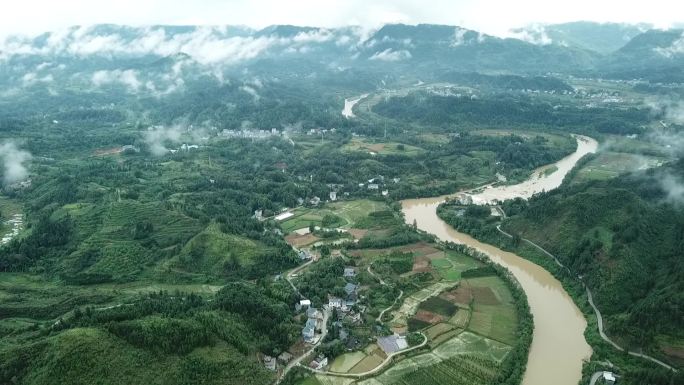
x=381 y=148
x=349 y=213
x=346 y=361
x=611 y=164
x=493 y=314
x=466 y=348
x=555 y=139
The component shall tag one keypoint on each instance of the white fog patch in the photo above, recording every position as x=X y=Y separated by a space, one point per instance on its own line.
x=676 y=48
x=674 y=188
x=534 y=34
x=343 y=40
x=157 y=137
x=317 y=36
x=251 y=91
x=672 y=109
x=207 y=45
x=14 y=162
x=127 y=78
x=391 y=55
x=32 y=78
x=459 y=37
x=43 y=66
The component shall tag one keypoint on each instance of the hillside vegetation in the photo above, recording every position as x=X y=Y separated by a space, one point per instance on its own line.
x=626 y=237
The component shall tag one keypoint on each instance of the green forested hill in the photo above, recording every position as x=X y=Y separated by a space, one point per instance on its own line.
x=626 y=237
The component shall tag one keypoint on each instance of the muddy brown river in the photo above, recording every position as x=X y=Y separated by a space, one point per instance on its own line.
x=558 y=345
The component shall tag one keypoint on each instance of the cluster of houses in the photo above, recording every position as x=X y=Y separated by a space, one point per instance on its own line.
x=270 y=363
x=344 y=307
x=16 y=223
x=319 y=130
x=251 y=134
x=314 y=322
x=378 y=184
x=319 y=362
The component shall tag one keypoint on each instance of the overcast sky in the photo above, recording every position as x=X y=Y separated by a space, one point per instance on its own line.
x=490 y=16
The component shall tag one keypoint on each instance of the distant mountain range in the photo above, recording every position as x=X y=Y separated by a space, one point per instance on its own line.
x=158 y=59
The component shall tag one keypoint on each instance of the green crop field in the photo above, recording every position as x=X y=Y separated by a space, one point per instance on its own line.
x=350 y=213
x=462 y=262
x=346 y=361
x=493 y=313
x=608 y=165
x=439 y=306
x=460 y=370
x=441 y=263
x=382 y=148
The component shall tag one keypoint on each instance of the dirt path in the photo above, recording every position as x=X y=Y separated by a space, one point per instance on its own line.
x=297 y=361
x=401 y=293
x=590 y=297
x=377 y=368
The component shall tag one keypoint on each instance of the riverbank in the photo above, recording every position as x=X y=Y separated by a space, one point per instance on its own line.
x=558 y=347
x=607 y=354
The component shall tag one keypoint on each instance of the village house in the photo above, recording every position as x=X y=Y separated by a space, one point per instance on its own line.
x=315 y=201
x=354 y=317
x=129 y=148
x=309 y=331
x=313 y=313
x=350 y=288
x=304 y=254
x=609 y=378
x=373 y=186
x=334 y=302
x=284 y=358
x=392 y=344
x=258 y=215
x=270 y=363
x=333 y=196
x=319 y=363
x=351 y=299
x=349 y=272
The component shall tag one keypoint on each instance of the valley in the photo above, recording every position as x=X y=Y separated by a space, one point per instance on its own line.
x=412 y=204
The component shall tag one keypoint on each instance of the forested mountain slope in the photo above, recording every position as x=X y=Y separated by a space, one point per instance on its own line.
x=626 y=237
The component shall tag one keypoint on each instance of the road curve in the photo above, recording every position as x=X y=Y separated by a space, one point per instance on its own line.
x=590 y=297
x=324 y=330
x=377 y=368
x=401 y=293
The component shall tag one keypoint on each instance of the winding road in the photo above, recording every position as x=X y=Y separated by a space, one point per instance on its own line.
x=382 y=282
x=324 y=330
x=377 y=368
x=590 y=297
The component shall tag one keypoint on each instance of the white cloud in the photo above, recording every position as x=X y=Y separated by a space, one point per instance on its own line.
x=533 y=33
x=13 y=162
x=676 y=48
x=31 y=78
x=391 y=55
x=127 y=78
x=250 y=90
x=459 y=37
x=157 y=138
x=491 y=16
x=674 y=187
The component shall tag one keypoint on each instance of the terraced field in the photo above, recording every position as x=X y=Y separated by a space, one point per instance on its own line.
x=468 y=356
